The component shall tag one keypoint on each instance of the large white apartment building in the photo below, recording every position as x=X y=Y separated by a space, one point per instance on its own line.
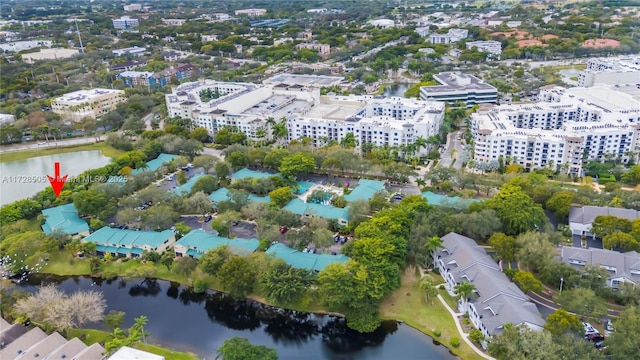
x=125 y=22
x=494 y=48
x=456 y=86
x=565 y=128
x=82 y=104
x=376 y=120
x=453 y=35
x=612 y=71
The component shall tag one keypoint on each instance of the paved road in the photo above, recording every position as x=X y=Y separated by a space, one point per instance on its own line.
x=51 y=144
x=214 y=152
x=454 y=148
x=546 y=305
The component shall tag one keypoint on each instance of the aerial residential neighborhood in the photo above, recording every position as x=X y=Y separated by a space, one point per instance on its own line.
x=336 y=180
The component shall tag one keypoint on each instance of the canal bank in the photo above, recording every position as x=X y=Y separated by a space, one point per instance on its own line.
x=199 y=323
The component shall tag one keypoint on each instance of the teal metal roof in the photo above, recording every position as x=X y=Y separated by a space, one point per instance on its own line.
x=185 y=188
x=365 y=190
x=110 y=249
x=137 y=251
x=447 y=201
x=219 y=195
x=155 y=164
x=201 y=241
x=297 y=206
x=129 y=238
x=222 y=194
x=63 y=218
x=123 y=250
x=303 y=186
x=248 y=173
x=301 y=260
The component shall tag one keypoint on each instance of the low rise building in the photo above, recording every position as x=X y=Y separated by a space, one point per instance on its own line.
x=174 y=22
x=581 y=218
x=64 y=219
x=496 y=300
x=322 y=49
x=128 y=353
x=130 y=243
x=125 y=22
x=49 y=54
x=17 y=46
x=494 y=48
x=197 y=242
x=172 y=55
x=453 y=35
x=622 y=268
x=611 y=71
x=301 y=260
x=136 y=78
x=456 y=86
x=128 y=65
x=91 y=104
x=563 y=129
x=155 y=164
x=135 y=51
x=132 y=7
x=251 y=12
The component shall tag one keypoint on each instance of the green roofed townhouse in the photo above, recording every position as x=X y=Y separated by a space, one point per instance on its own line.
x=301 y=260
x=185 y=189
x=197 y=242
x=307 y=210
x=222 y=194
x=155 y=164
x=248 y=173
x=64 y=219
x=365 y=190
x=130 y=243
x=454 y=202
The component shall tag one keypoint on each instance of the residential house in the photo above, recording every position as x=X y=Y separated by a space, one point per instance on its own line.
x=155 y=164
x=581 y=218
x=496 y=300
x=222 y=194
x=130 y=243
x=307 y=210
x=128 y=65
x=185 y=189
x=621 y=267
x=197 y=242
x=172 y=56
x=301 y=260
x=365 y=190
x=128 y=353
x=64 y=219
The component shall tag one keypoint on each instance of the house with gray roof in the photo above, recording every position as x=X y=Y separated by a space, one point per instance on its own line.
x=496 y=300
x=581 y=218
x=621 y=267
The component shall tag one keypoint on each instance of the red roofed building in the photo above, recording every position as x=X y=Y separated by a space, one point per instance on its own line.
x=532 y=42
x=601 y=43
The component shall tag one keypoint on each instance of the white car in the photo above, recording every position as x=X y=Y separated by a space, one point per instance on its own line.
x=588 y=329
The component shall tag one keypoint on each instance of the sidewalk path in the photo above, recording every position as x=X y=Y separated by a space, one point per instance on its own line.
x=465 y=336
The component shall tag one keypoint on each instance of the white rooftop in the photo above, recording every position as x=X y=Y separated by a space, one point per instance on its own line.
x=127 y=353
x=81 y=96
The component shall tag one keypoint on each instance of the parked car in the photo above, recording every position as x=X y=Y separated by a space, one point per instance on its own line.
x=608 y=328
x=589 y=329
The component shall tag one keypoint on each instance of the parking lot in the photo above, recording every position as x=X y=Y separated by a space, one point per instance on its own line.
x=244 y=230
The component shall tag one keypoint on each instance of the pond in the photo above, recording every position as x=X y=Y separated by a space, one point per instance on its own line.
x=184 y=321
x=25 y=178
x=396 y=90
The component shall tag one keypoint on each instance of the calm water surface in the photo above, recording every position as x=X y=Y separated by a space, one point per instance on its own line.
x=25 y=178
x=184 y=321
x=396 y=90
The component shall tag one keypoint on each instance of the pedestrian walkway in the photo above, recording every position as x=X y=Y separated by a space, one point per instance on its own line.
x=465 y=336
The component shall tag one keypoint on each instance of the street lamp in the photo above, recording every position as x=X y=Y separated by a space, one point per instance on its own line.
x=561 y=283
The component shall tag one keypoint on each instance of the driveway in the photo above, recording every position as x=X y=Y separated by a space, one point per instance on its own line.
x=192 y=222
x=595 y=243
x=245 y=230
x=454 y=149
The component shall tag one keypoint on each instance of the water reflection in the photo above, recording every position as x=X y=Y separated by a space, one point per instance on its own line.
x=293 y=334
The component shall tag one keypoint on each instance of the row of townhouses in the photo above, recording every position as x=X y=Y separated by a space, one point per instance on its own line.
x=496 y=300
x=249 y=108
x=563 y=129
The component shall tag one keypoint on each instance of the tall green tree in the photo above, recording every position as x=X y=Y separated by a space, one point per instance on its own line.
x=516 y=210
x=427 y=285
x=583 y=302
x=284 y=284
x=464 y=290
x=297 y=164
x=237 y=276
x=238 y=348
x=213 y=259
x=505 y=246
x=560 y=203
x=623 y=343
x=561 y=321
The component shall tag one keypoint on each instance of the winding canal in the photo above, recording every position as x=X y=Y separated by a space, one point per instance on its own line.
x=184 y=321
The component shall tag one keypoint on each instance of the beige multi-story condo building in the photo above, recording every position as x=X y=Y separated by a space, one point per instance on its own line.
x=82 y=104
x=253 y=108
x=564 y=129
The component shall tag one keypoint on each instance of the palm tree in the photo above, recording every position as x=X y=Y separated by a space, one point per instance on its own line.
x=464 y=290
x=349 y=141
x=44 y=130
x=428 y=287
x=139 y=323
x=55 y=132
x=432 y=245
x=420 y=143
x=420 y=182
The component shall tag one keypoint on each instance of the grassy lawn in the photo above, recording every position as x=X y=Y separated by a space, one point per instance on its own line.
x=168 y=354
x=89 y=336
x=408 y=305
x=106 y=150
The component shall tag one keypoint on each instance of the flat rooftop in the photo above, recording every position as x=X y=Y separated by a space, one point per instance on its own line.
x=81 y=96
x=305 y=80
x=605 y=97
x=454 y=81
x=335 y=110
